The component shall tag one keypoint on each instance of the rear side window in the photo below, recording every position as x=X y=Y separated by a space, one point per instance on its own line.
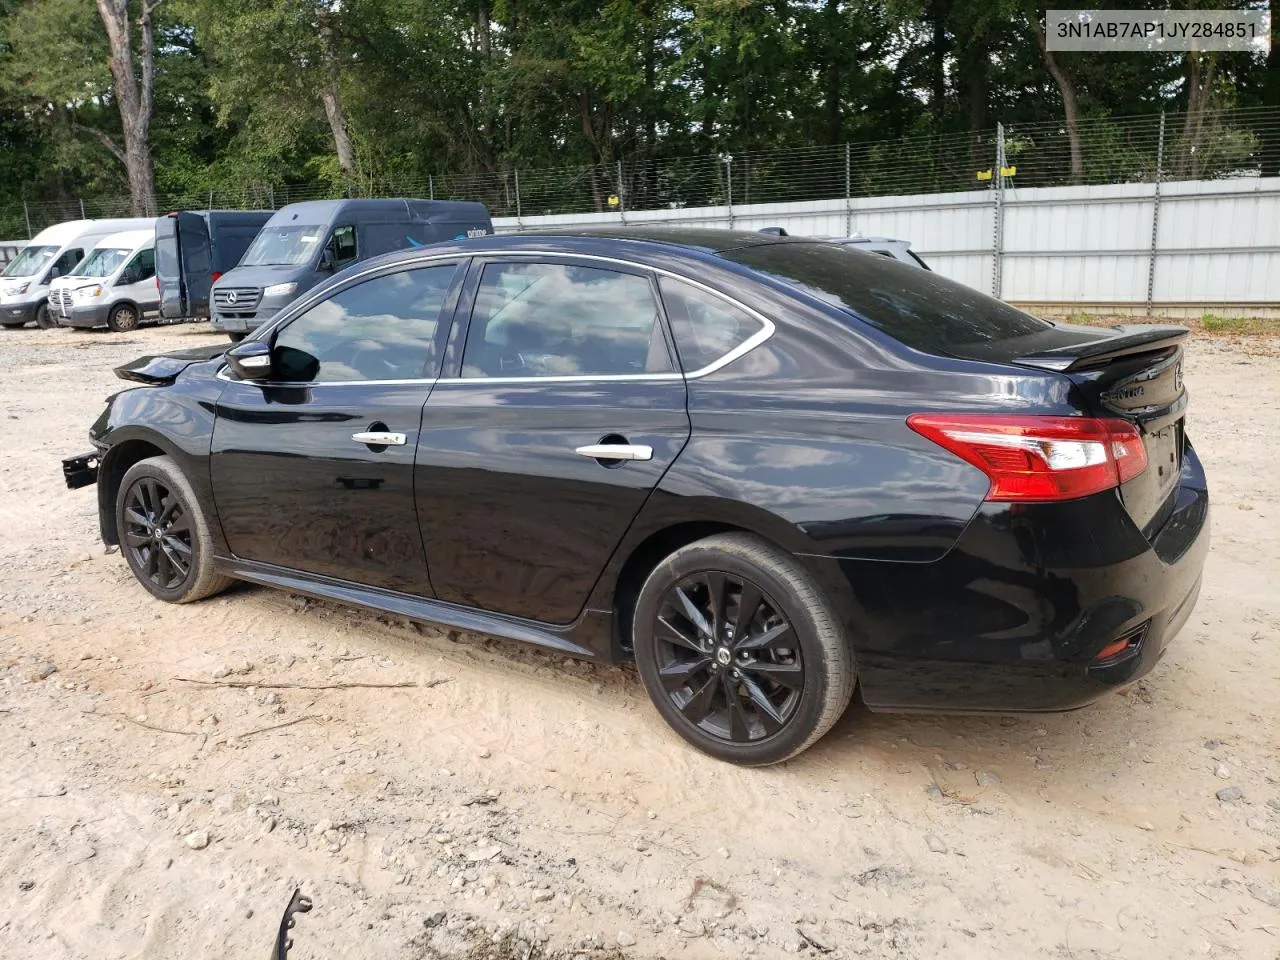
x=558 y=320
x=705 y=326
x=380 y=329
x=916 y=307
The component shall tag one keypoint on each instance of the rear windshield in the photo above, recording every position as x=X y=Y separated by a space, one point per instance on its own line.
x=916 y=307
x=101 y=262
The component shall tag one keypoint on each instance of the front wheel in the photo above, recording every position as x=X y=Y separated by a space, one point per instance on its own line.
x=740 y=652
x=123 y=318
x=164 y=535
x=44 y=319
x=236 y=337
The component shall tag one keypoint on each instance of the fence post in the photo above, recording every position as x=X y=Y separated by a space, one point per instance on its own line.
x=1155 y=218
x=519 y=224
x=431 y=186
x=622 y=197
x=82 y=216
x=27 y=216
x=848 y=193
x=728 y=166
x=997 y=246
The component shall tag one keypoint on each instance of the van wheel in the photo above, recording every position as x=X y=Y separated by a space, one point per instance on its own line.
x=44 y=319
x=123 y=318
x=236 y=337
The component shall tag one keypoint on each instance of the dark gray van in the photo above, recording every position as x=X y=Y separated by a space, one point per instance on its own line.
x=304 y=243
x=196 y=247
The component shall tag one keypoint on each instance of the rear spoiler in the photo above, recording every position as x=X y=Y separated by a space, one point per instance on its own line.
x=1129 y=339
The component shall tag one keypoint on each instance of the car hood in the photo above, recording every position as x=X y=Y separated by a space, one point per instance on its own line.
x=262 y=276
x=162 y=368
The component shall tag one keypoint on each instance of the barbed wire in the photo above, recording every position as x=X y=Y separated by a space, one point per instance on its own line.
x=1243 y=142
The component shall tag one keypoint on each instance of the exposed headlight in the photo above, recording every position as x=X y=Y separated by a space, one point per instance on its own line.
x=279 y=289
x=87 y=293
x=21 y=288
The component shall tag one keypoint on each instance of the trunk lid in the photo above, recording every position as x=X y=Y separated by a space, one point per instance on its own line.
x=1133 y=372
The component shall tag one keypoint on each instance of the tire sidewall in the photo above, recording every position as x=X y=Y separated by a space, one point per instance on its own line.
x=44 y=319
x=780 y=593
x=113 y=322
x=160 y=468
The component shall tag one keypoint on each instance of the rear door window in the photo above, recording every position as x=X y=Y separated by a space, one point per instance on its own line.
x=705 y=326
x=557 y=320
x=916 y=307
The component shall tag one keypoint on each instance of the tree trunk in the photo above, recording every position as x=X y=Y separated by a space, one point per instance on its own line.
x=1198 y=78
x=589 y=132
x=134 y=97
x=937 y=63
x=1070 y=108
x=483 y=29
x=1269 y=131
x=332 y=98
x=833 y=118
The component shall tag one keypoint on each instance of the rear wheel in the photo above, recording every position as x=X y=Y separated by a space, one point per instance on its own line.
x=44 y=319
x=236 y=337
x=164 y=535
x=123 y=318
x=739 y=651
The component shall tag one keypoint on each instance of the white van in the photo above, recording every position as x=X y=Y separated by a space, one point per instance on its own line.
x=24 y=285
x=114 y=286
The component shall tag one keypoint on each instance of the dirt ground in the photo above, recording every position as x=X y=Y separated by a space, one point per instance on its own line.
x=170 y=774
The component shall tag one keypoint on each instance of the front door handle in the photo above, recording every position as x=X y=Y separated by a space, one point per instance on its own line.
x=379 y=438
x=616 y=451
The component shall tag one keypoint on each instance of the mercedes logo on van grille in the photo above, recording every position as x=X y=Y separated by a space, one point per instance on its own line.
x=232 y=296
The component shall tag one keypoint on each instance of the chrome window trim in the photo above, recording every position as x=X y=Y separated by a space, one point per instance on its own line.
x=766 y=330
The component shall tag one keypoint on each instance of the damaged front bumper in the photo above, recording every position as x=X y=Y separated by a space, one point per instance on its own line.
x=81 y=471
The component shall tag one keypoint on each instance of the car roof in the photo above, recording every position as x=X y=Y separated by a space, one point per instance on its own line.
x=695 y=238
x=325 y=211
x=126 y=238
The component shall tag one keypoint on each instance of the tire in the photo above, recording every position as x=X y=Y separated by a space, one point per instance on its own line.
x=123 y=318
x=794 y=619
x=157 y=481
x=44 y=319
x=236 y=337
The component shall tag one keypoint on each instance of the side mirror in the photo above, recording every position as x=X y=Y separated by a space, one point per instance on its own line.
x=250 y=360
x=326 y=261
x=55 y=272
x=129 y=277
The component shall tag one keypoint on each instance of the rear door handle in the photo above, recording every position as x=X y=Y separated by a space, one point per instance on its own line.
x=616 y=451
x=379 y=438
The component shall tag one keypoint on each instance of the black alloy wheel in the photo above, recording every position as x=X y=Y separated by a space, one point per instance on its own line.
x=157 y=533
x=727 y=657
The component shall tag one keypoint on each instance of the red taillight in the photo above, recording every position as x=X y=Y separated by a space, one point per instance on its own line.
x=1039 y=458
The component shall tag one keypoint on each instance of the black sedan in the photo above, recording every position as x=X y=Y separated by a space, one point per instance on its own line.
x=765 y=468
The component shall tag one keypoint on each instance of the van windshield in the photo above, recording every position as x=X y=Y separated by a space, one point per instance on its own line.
x=290 y=245
x=30 y=261
x=102 y=262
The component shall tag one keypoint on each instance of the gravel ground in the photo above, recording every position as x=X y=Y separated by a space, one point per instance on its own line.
x=172 y=773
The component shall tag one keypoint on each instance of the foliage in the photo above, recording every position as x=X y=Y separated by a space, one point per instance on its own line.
x=480 y=87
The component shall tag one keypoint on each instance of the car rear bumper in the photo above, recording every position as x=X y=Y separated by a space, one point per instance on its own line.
x=1014 y=617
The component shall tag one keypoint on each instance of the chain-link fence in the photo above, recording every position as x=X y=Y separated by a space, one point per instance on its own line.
x=1173 y=146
